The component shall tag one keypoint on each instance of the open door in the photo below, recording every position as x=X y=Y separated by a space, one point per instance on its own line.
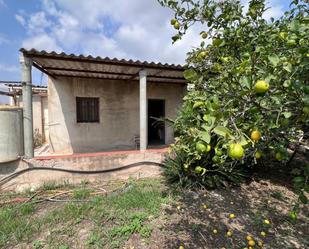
x=156 y=129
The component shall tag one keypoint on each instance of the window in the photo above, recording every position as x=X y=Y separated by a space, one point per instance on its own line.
x=87 y=110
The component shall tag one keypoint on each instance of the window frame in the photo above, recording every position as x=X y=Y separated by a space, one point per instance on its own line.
x=85 y=118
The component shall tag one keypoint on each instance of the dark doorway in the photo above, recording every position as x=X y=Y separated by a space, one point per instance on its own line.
x=156 y=128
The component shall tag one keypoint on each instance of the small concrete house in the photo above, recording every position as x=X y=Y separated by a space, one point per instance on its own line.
x=99 y=104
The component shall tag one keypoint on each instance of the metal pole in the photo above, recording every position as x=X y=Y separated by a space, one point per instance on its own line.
x=26 y=79
x=143 y=109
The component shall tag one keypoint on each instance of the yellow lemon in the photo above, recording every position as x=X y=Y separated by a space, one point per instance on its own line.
x=202 y=55
x=173 y=21
x=198 y=169
x=176 y=25
x=232 y=216
x=260 y=243
x=249 y=238
x=181 y=247
x=263 y=233
x=283 y=35
x=258 y=155
x=251 y=243
x=215 y=231
x=261 y=86
x=229 y=233
x=201 y=147
x=279 y=156
x=236 y=151
x=255 y=135
x=208 y=148
x=267 y=222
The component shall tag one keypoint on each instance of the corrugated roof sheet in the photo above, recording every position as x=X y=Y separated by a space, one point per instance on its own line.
x=18 y=84
x=61 y=64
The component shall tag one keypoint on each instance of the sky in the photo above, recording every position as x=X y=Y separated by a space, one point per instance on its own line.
x=129 y=29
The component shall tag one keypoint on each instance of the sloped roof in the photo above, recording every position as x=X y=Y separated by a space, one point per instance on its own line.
x=61 y=64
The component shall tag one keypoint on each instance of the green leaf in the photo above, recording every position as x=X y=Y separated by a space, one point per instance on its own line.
x=176 y=38
x=221 y=131
x=287 y=114
x=243 y=141
x=287 y=83
x=190 y=74
x=206 y=127
x=209 y=119
x=245 y=81
x=274 y=59
x=305 y=99
x=298 y=179
x=293 y=215
x=287 y=67
x=270 y=77
x=205 y=136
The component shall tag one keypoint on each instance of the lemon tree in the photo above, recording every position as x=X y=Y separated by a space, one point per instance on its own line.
x=249 y=94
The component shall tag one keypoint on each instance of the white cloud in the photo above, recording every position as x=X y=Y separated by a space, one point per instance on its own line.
x=99 y=45
x=41 y=42
x=35 y=23
x=135 y=29
x=8 y=68
x=275 y=8
x=274 y=12
x=20 y=19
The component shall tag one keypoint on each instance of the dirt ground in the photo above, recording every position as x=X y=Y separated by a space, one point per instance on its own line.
x=192 y=219
x=192 y=225
x=148 y=214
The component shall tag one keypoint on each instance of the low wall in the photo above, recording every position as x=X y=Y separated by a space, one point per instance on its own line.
x=43 y=169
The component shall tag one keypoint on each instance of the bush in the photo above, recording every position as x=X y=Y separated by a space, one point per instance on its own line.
x=250 y=94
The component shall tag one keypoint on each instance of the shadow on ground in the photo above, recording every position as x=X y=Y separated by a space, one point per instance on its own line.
x=270 y=197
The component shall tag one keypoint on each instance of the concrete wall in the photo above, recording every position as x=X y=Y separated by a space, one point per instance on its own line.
x=40 y=114
x=11 y=135
x=112 y=160
x=37 y=114
x=119 y=113
x=44 y=104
